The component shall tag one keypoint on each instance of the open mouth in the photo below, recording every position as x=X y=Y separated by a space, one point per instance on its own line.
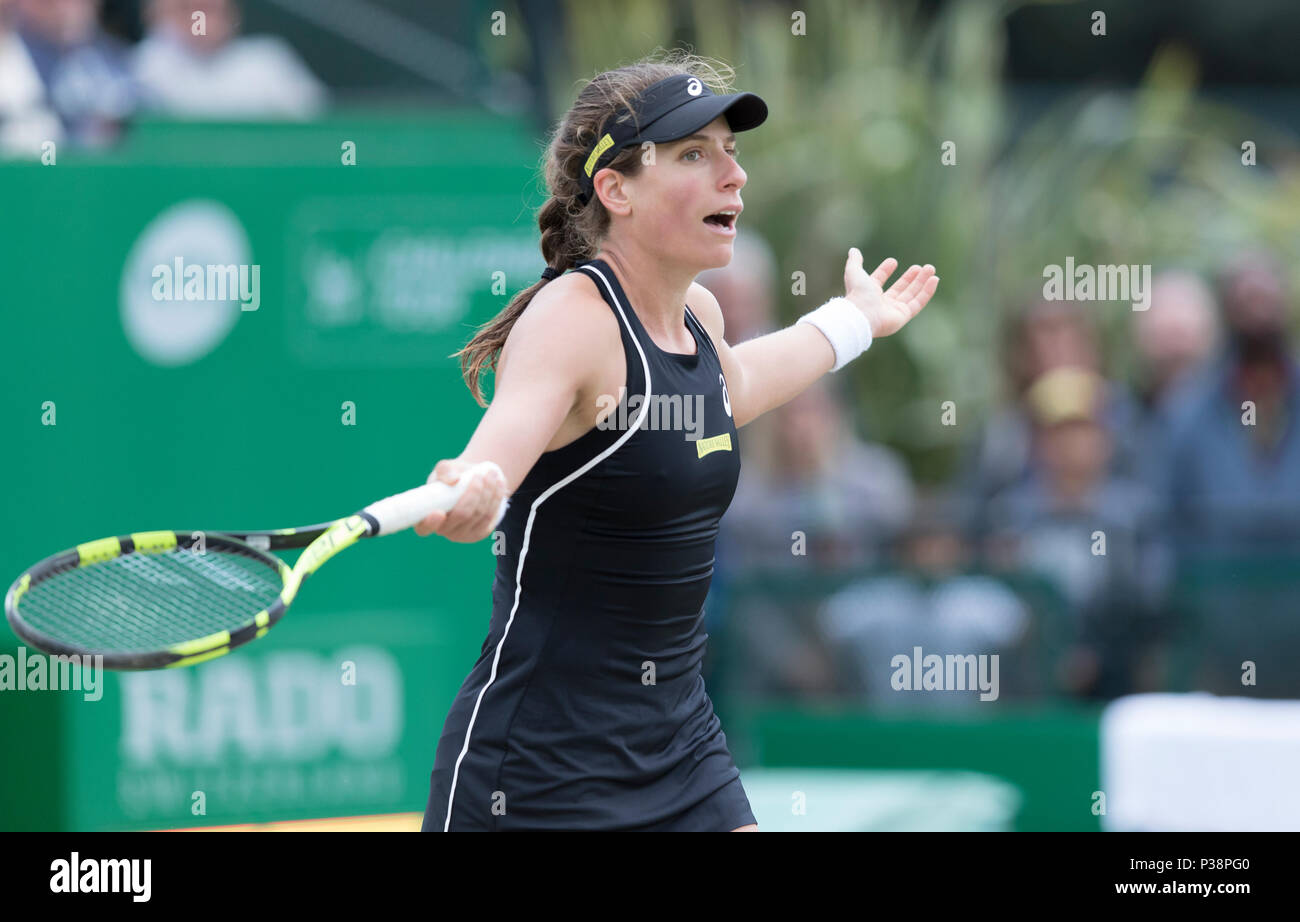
x=723 y=219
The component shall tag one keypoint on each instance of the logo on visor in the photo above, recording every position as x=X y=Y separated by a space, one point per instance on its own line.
x=694 y=87
x=605 y=144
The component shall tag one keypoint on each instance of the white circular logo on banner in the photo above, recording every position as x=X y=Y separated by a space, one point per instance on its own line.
x=177 y=331
x=726 y=398
x=694 y=87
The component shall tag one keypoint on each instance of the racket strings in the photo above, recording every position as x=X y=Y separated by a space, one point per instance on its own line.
x=145 y=602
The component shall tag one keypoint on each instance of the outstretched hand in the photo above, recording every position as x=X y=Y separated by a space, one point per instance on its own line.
x=888 y=310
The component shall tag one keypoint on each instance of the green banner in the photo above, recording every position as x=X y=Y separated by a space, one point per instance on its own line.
x=239 y=326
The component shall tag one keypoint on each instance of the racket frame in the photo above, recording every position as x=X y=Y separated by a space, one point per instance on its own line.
x=321 y=541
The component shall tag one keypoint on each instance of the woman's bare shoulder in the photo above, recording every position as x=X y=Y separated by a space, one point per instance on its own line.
x=707 y=310
x=566 y=322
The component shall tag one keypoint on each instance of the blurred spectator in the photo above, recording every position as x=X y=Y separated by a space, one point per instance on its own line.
x=848 y=496
x=26 y=121
x=1234 y=493
x=1235 y=453
x=192 y=64
x=82 y=68
x=931 y=603
x=1044 y=336
x=1056 y=521
x=803 y=471
x=1175 y=337
x=825 y=504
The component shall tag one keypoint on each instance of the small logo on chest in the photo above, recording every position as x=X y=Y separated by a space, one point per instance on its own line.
x=717 y=443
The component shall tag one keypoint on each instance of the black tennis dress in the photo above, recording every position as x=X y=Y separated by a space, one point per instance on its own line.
x=586 y=708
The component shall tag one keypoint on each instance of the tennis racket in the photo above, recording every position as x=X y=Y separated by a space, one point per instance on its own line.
x=160 y=599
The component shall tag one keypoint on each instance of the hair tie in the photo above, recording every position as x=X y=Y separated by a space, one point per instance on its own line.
x=550 y=272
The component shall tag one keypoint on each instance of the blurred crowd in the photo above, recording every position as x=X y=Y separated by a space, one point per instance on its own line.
x=63 y=77
x=1102 y=536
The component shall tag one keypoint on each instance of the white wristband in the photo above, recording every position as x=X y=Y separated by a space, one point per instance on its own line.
x=844 y=325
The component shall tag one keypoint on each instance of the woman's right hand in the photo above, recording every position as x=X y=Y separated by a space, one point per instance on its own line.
x=475 y=513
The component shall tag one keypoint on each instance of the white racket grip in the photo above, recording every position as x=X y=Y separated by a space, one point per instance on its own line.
x=403 y=510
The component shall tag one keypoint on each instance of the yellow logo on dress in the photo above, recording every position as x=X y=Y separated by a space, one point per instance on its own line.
x=717 y=443
x=605 y=144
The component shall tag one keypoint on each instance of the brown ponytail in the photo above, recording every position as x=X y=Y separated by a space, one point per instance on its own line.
x=572 y=232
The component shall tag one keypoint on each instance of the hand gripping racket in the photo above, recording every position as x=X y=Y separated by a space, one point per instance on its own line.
x=158 y=599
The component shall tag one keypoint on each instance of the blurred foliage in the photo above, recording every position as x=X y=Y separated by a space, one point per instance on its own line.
x=861 y=108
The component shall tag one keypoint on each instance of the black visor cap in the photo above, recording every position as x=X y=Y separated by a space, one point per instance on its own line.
x=666 y=111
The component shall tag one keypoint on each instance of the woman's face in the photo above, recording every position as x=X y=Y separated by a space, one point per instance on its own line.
x=670 y=198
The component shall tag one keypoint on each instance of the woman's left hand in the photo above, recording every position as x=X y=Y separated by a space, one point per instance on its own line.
x=888 y=310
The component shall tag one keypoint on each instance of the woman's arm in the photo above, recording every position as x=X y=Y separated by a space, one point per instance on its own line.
x=549 y=360
x=765 y=372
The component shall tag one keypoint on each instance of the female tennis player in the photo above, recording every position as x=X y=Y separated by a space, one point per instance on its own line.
x=586 y=708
